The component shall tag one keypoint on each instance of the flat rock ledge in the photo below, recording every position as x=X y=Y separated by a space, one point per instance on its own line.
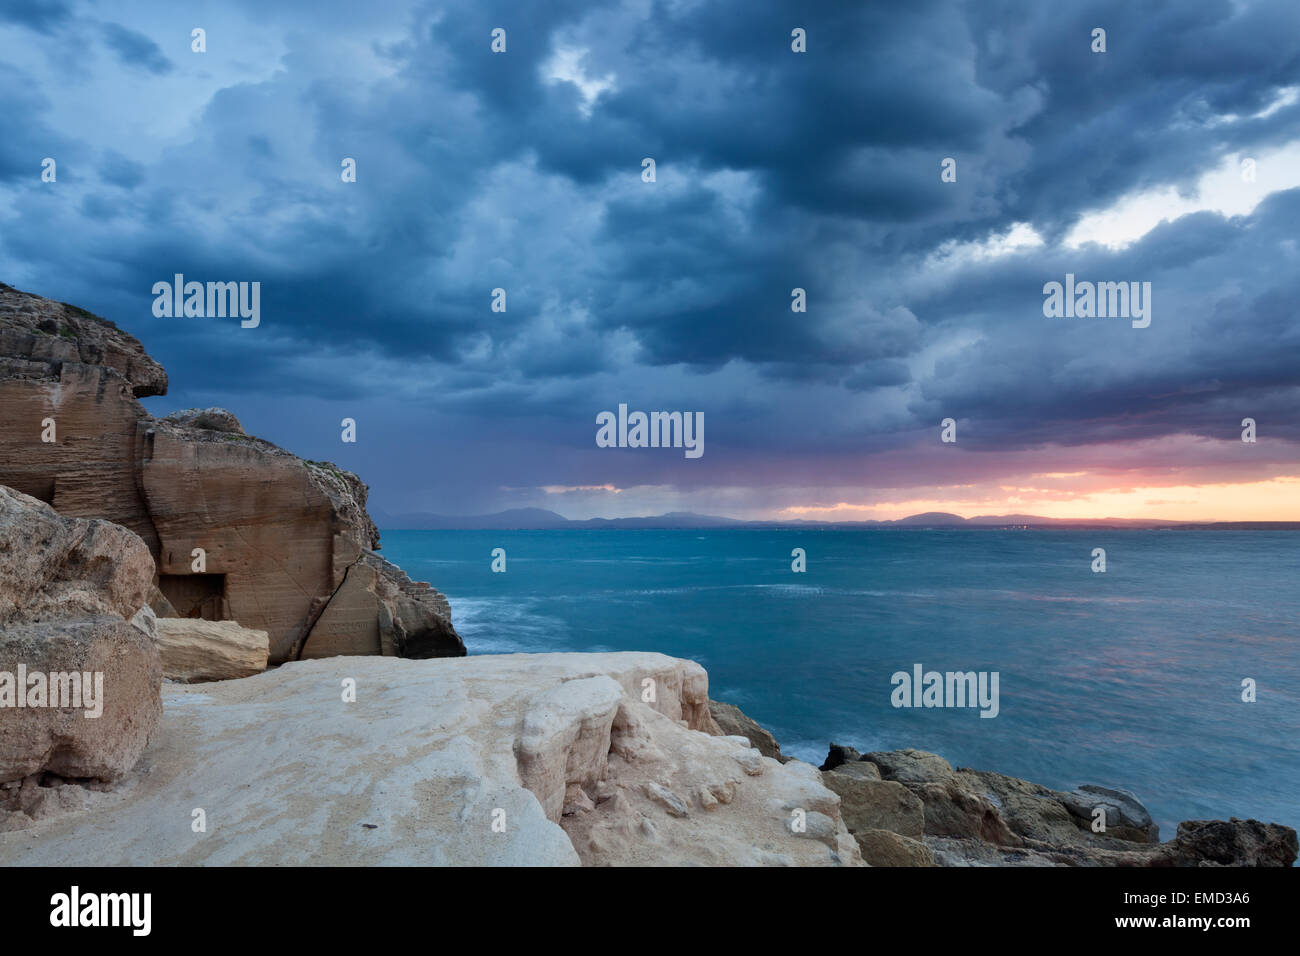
x=520 y=759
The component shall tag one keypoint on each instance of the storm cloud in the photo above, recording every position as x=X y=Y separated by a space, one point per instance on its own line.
x=775 y=170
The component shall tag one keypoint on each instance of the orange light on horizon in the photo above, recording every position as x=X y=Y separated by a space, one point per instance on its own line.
x=1277 y=499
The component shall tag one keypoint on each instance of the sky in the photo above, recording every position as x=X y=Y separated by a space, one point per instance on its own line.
x=1172 y=158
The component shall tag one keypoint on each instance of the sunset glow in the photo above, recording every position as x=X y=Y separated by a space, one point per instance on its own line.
x=1277 y=499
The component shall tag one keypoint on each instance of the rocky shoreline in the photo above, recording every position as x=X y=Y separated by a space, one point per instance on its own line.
x=912 y=808
x=275 y=700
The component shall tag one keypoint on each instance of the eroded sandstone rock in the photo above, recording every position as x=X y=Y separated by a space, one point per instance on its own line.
x=735 y=723
x=887 y=848
x=194 y=650
x=279 y=536
x=379 y=610
x=89 y=680
x=877 y=804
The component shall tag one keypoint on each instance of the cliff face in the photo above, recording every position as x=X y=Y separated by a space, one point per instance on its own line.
x=283 y=539
x=58 y=362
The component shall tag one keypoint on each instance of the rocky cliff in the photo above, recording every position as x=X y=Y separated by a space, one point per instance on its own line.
x=287 y=544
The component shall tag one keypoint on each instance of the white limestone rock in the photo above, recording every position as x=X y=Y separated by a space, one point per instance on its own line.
x=457 y=761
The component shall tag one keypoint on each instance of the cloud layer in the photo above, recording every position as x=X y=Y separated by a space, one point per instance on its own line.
x=775 y=170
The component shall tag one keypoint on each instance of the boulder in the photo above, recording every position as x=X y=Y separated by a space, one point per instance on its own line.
x=1031 y=811
x=911 y=766
x=839 y=755
x=859 y=769
x=520 y=759
x=886 y=848
x=86 y=678
x=1231 y=842
x=867 y=804
x=1125 y=817
x=952 y=811
x=98 y=680
x=982 y=818
x=211 y=419
x=195 y=650
x=54 y=567
x=735 y=723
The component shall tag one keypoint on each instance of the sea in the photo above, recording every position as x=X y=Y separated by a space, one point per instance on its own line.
x=1132 y=678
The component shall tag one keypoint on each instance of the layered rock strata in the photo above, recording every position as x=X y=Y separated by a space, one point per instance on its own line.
x=280 y=538
x=195 y=650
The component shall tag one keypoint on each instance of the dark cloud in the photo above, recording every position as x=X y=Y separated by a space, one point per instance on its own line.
x=136 y=49
x=43 y=16
x=775 y=170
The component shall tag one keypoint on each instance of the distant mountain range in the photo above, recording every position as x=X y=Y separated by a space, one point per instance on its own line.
x=540 y=519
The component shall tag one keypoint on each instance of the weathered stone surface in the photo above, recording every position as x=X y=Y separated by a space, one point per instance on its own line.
x=46 y=334
x=557 y=749
x=735 y=723
x=839 y=754
x=54 y=567
x=1231 y=842
x=886 y=848
x=950 y=851
x=194 y=650
x=1030 y=810
x=280 y=535
x=952 y=811
x=1198 y=843
x=860 y=769
x=1124 y=813
x=64 y=740
x=379 y=610
x=91 y=411
x=211 y=419
x=277 y=533
x=867 y=804
x=911 y=766
x=982 y=818
x=67 y=590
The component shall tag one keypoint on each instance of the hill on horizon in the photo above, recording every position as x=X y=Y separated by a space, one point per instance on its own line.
x=542 y=519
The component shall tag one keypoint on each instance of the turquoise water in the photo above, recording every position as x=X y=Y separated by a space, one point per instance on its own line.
x=1131 y=678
